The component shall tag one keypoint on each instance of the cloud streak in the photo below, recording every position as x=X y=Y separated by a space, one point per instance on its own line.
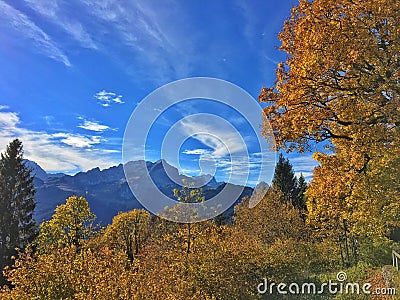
x=227 y=151
x=57 y=152
x=304 y=164
x=157 y=51
x=51 y=10
x=26 y=28
x=197 y=152
x=219 y=138
x=76 y=140
x=93 y=126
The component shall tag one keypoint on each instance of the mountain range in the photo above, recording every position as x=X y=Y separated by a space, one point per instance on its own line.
x=108 y=192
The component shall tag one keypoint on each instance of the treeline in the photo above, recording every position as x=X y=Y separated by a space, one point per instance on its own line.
x=140 y=256
x=144 y=257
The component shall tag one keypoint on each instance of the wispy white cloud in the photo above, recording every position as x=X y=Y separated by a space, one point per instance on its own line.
x=197 y=152
x=8 y=119
x=64 y=152
x=51 y=10
x=226 y=151
x=160 y=45
x=189 y=172
x=303 y=164
x=77 y=31
x=257 y=32
x=107 y=98
x=248 y=19
x=45 y=7
x=76 y=140
x=242 y=169
x=110 y=151
x=273 y=61
x=222 y=140
x=93 y=126
x=26 y=28
x=241 y=163
x=2 y=107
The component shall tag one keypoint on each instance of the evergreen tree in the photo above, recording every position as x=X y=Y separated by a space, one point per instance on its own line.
x=285 y=180
x=301 y=189
x=17 y=202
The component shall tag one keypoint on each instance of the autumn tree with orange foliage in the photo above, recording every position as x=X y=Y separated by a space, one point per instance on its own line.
x=340 y=85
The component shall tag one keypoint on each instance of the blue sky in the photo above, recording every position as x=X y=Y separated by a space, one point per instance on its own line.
x=74 y=71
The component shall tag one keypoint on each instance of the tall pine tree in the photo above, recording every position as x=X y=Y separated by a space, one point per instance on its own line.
x=17 y=202
x=285 y=180
x=301 y=197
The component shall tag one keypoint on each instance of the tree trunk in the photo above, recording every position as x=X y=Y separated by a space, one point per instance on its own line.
x=346 y=244
x=188 y=241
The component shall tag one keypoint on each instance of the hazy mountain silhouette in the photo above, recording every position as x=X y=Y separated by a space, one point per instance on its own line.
x=107 y=190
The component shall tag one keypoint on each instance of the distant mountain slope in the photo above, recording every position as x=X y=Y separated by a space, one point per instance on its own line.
x=38 y=172
x=107 y=190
